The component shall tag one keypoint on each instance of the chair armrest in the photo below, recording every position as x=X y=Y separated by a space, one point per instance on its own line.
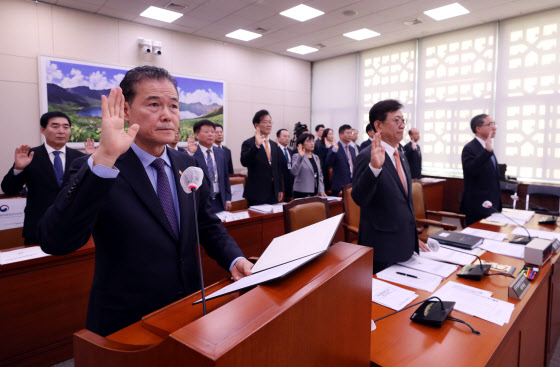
x=446 y=214
x=352 y=229
x=429 y=222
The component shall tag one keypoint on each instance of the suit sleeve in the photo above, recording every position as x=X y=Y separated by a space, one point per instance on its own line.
x=227 y=183
x=13 y=184
x=248 y=153
x=229 y=162
x=472 y=161
x=364 y=182
x=330 y=161
x=296 y=164
x=321 y=188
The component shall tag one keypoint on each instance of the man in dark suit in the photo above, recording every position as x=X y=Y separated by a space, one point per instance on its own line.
x=341 y=158
x=319 y=132
x=42 y=169
x=219 y=138
x=213 y=162
x=370 y=132
x=381 y=186
x=283 y=140
x=480 y=171
x=413 y=153
x=263 y=160
x=128 y=195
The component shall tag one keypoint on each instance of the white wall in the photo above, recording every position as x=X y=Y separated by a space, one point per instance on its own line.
x=253 y=79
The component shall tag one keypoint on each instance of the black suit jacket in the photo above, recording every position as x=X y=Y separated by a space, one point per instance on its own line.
x=223 y=175
x=288 y=177
x=365 y=144
x=387 y=221
x=264 y=180
x=340 y=167
x=480 y=181
x=414 y=158
x=140 y=266
x=42 y=187
x=229 y=162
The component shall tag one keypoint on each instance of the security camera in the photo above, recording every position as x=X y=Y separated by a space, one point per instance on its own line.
x=157 y=47
x=146 y=45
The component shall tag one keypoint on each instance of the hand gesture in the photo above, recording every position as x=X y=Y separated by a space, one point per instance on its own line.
x=22 y=157
x=192 y=147
x=328 y=144
x=377 y=152
x=300 y=150
x=241 y=268
x=413 y=145
x=488 y=142
x=423 y=246
x=280 y=196
x=322 y=194
x=228 y=206
x=89 y=145
x=114 y=140
x=258 y=137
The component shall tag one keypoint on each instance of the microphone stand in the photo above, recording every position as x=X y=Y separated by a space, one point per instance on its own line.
x=198 y=250
x=519 y=240
x=471 y=271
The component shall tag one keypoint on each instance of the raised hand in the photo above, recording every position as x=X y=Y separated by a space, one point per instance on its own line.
x=300 y=150
x=258 y=137
x=377 y=152
x=192 y=147
x=328 y=144
x=488 y=142
x=413 y=145
x=89 y=145
x=22 y=157
x=114 y=140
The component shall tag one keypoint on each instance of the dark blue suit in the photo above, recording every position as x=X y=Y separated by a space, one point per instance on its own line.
x=139 y=265
x=340 y=167
x=219 y=201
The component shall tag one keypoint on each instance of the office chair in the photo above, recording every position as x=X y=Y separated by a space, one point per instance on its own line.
x=543 y=191
x=510 y=189
x=301 y=213
x=351 y=220
x=237 y=179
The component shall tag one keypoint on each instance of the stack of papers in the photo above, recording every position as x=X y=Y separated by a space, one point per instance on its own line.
x=418 y=279
x=391 y=296
x=26 y=253
x=476 y=302
x=504 y=248
x=429 y=266
x=333 y=198
x=515 y=214
x=266 y=208
x=497 y=236
x=500 y=218
x=450 y=256
x=231 y=217
x=431 y=179
x=536 y=233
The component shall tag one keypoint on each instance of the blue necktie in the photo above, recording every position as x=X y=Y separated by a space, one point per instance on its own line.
x=286 y=155
x=58 y=171
x=494 y=161
x=211 y=172
x=165 y=196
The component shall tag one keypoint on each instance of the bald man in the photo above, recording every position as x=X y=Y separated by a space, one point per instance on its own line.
x=413 y=154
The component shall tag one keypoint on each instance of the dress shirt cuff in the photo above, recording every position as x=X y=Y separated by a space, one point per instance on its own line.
x=17 y=171
x=375 y=171
x=102 y=171
x=234 y=261
x=335 y=148
x=191 y=154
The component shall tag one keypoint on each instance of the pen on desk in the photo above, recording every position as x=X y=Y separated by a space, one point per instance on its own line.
x=408 y=275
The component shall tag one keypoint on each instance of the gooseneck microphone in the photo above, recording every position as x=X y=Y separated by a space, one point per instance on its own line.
x=519 y=240
x=190 y=181
x=470 y=271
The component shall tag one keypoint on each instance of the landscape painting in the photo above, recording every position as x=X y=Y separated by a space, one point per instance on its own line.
x=75 y=88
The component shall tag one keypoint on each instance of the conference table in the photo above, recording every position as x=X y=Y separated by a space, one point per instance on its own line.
x=528 y=339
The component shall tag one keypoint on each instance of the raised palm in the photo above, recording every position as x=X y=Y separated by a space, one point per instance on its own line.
x=377 y=152
x=22 y=158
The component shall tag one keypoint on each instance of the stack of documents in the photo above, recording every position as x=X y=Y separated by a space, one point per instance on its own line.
x=333 y=198
x=391 y=296
x=497 y=236
x=410 y=277
x=266 y=208
x=547 y=235
x=450 y=256
x=504 y=248
x=430 y=266
x=231 y=217
x=515 y=214
x=476 y=302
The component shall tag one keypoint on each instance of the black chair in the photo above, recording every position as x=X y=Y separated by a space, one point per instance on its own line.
x=543 y=191
x=510 y=189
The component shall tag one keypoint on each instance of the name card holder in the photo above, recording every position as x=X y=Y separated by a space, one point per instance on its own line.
x=519 y=287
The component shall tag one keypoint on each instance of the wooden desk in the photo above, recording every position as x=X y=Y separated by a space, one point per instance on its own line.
x=526 y=340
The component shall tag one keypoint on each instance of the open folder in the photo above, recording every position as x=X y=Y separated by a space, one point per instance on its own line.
x=287 y=253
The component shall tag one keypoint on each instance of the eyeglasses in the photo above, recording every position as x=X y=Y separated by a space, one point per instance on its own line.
x=399 y=121
x=491 y=124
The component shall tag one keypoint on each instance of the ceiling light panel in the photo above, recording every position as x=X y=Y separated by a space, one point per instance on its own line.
x=446 y=12
x=302 y=13
x=160 y=14
x=361 y=34
x=302 y=50
x=243 y=35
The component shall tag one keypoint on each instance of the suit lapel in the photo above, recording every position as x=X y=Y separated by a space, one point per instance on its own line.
x=46 y=165
x=201 y=160
x=220 y=161
x=308 y=162
x=185 y=200
x=388 y=164
x=133 y=172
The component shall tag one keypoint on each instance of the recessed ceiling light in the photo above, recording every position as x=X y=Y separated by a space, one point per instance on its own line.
x=302 y=13
x=163 y=15
x=243 y=35
x=361 y=34
x=302 y=50
x=448 y=11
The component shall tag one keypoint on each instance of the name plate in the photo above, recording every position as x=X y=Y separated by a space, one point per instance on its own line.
x=519 y=287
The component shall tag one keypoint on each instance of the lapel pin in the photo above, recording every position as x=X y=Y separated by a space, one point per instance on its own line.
x=180 y=173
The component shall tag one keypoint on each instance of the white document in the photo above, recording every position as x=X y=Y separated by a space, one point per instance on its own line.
x=27 y=253
x=485 y=234
x=333 y=198
x=449 y=256
x=303 y=242
x=266 y=208
x=504 y=248
x=429 y=266
x=237 y=192
x=500 y=218
x=391 y=296
x=519 y=214
x=424 y=281
x=12 y=213
x=476 y=302
x=536 y=233
x=431 y=179
x=261 y=277
x=226 y=216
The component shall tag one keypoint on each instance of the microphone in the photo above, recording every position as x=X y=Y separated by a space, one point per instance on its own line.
x=471 y=271
x=190 y=181
x=519 y=240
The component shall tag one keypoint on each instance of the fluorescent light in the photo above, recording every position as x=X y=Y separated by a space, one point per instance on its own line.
x=164 y=15
x=361 y=34
x=302 y=13
x=243 y=35
x=448 y=11
x=302 y=50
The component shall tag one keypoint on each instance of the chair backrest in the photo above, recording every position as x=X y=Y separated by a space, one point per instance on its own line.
x=418 y=200
x=542 y=190
x=509 y=188
x=301 y=213
x=351 y=209
x=237 y=179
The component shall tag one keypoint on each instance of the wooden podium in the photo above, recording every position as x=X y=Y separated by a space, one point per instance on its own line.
x=318 y=315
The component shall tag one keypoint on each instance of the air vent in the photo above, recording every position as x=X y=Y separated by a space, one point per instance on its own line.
x=319 y=45
x=261 y=30
x=175 y=7
x=349 y=13
x=413 y=21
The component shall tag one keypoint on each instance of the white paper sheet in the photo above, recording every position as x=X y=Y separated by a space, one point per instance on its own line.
x=500 y=218
x=303 y=242
x=26 y=253
x=425 y=281
x=391 y=296
x=266 y=208
x=519 y=214
x=237 y=192
x=226 y=216
x=450 y=256
x=485 y=234
x=504 y=248
x=429 y=266
x=536 y=233
x=333 y=198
